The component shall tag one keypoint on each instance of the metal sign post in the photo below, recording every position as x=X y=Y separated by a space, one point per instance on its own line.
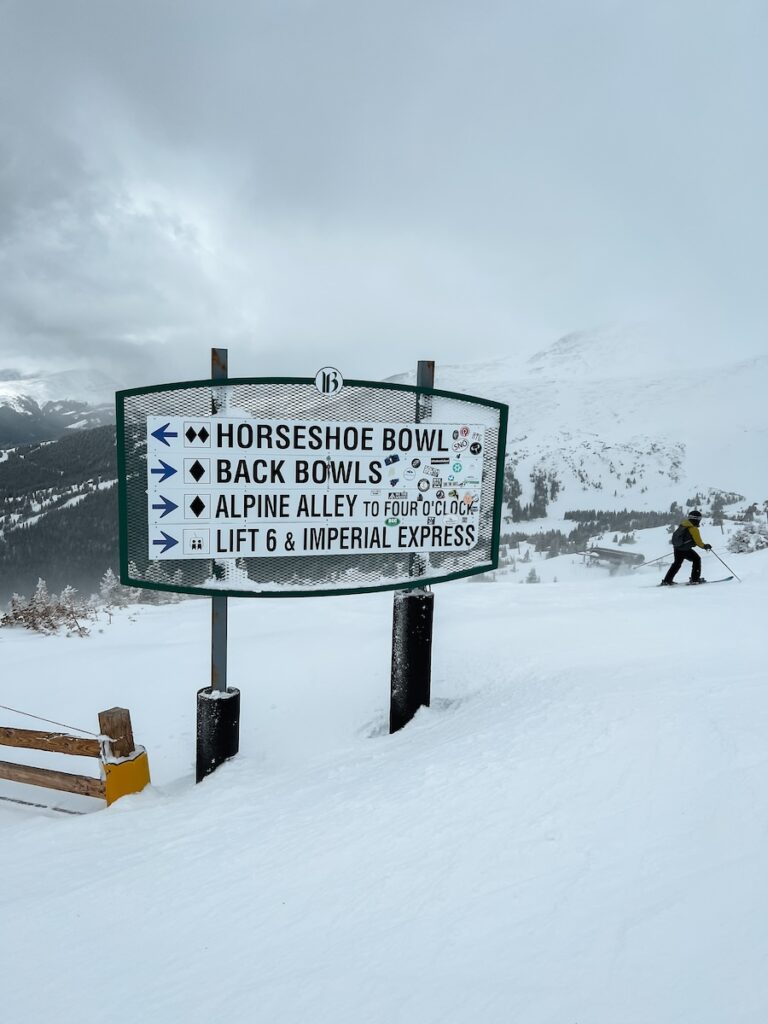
x=413 y=615
x=219 y=371
x=218 y=707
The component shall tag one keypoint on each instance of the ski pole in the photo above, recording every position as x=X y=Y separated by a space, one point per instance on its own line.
x=730 y=570
x=668 y=555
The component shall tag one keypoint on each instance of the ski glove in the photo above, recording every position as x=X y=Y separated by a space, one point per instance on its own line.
x=707 y=547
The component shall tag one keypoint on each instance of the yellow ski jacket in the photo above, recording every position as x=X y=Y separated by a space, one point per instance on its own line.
x=694 y=532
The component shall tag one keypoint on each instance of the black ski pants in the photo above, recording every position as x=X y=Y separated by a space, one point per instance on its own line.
x=681 y=555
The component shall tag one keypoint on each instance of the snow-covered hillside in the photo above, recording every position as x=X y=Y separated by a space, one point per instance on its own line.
x=45 y=407
x=574 y=832
x=620 y=428
x=619 y=420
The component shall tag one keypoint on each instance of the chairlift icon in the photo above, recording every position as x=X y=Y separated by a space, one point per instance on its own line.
x=196 y=541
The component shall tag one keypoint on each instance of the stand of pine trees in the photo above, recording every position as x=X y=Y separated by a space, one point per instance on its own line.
x=58 y=513
x=50 y=613
x=68 y=612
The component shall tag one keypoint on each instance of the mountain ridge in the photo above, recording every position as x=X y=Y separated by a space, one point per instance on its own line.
x=698 y=428
x=44 y=407
x=614 y=443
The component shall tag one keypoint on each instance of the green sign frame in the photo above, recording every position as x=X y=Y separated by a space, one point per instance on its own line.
x=126 y=481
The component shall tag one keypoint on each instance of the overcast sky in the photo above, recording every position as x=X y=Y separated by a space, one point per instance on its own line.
x=368 y=182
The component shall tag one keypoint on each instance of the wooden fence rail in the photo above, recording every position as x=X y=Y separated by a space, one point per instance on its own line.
x=56 y=742
x=64 y=781
x=124 y=767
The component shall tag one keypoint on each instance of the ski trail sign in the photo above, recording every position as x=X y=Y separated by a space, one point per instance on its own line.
x=266 y=487
x=292 y=488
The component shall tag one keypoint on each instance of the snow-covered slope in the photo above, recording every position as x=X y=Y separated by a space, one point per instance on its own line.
x=575 y=831
x=607 y=419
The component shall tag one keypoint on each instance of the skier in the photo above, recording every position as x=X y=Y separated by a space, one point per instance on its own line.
x=685 y=538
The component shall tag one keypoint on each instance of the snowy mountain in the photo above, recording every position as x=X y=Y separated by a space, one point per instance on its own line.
x=583 y=429
x=620 y=420
x=618 y=431
x=43 y=407
x=89 y=386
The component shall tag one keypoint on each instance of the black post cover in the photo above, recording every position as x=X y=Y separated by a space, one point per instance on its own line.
x=413 y=612
x=218 y=728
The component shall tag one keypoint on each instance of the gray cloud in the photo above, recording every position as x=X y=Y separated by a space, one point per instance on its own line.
x=368 y=184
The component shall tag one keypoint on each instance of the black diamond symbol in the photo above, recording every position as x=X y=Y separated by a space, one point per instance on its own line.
x=197 y=506
x=191 y=434
x=196 y=470
x=203 y=435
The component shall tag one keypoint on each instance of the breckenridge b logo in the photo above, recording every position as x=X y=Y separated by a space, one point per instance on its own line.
x=329 y=381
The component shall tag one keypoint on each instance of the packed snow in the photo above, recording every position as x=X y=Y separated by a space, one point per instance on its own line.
x=575 y=832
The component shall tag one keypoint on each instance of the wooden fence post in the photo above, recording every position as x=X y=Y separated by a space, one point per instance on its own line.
x=126 y=769
x=116 y=724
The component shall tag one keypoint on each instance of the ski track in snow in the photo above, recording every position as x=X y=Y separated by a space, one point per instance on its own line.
x=576 y=831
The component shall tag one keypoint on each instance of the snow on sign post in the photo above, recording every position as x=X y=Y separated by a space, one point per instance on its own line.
x=288 y=492
x=298 y=487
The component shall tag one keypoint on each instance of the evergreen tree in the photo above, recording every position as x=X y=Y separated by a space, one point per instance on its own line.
x=42 y=609
x=70 y=611
x=109 y=589
x=718 y=507
x=512 y=492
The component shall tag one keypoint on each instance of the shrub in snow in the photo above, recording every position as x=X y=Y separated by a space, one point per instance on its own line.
x=533 y=577
x=751 y=537
x=109 y=589
x=48 y=613
x=71 y=611
x=113 y=594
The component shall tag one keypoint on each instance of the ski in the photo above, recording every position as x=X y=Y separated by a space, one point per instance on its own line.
x=723 y=579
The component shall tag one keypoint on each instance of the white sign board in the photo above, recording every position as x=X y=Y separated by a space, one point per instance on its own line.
x=224 y=487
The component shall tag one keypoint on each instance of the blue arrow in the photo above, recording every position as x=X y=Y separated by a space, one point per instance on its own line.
x=167 y=506
x=167 y=542
x=165 y=472
x=163 y=433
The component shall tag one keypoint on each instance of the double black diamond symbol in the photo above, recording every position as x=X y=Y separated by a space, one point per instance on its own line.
x=197 y=506
x=202 y=434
